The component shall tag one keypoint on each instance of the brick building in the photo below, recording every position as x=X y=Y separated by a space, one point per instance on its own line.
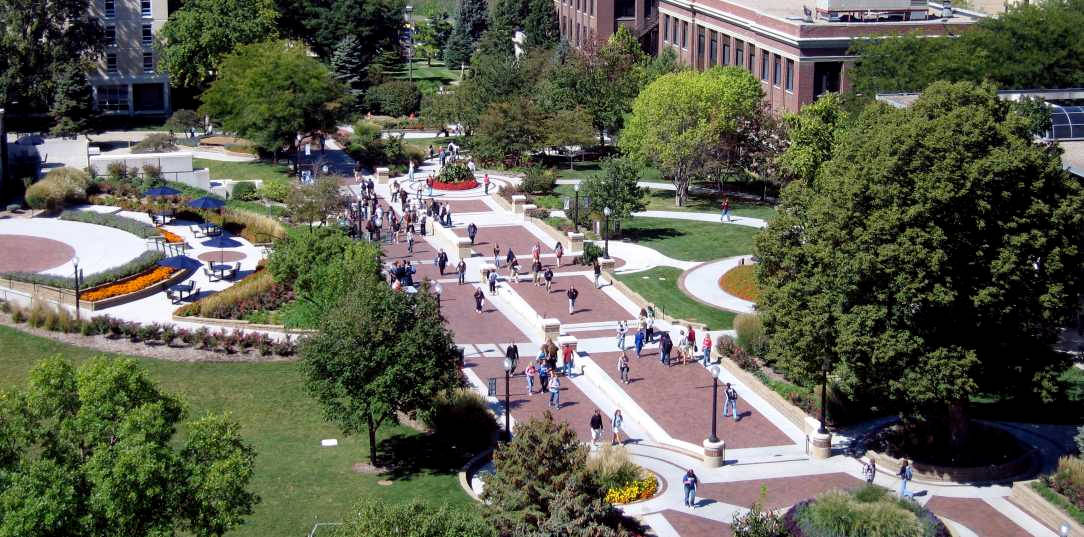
x=125 y=81
x=797 y=51
x=583 y=21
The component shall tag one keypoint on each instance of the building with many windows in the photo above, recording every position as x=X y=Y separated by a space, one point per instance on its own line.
x=797 y=52
x=587 y=21
x=125 y=82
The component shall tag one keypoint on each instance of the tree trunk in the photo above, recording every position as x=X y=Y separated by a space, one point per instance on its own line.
x=958 y=424
x=682 y=192
x=372 y=440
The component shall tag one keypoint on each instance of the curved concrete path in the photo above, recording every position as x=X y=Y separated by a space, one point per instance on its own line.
x=702 y=283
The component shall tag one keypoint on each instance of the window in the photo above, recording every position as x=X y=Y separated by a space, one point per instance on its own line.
x=713 y=49
x=684 y=34
x=110 y=36
x=674 y=33
x=764 y=66
x=726 y=50
x=592 y=7
x=699 y=47
x=739 y=58
x=145 y=8
x=148 y=62
x=666 y=28
x=752 y=57
x=110 y=8
x=148 y=35
x=113 y=98
x=625 y=9
x=111 y=63
x=777 y=68
x=790 y=76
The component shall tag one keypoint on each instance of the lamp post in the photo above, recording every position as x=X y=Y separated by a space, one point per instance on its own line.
x=824 y=397
x=410 y=43
x=297 y=158
x=1063 y=531
x=714 y=407
x=507 y=406
x=78 y=281
x=438 y=289
x=606 y=232
x=576 y=208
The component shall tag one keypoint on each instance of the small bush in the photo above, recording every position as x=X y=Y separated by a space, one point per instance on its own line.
x=462 y=419
x=152 y=172
x=1080 y=440
x=751 y=335
x=155 y=143
x=244 y=191
x=274 y=189
x=455 y=172
x=145 y=261
x=182 y=120
x=1068 y=480
x=591 y=252
x=539 y=180
x=131 y=225
x=38 y=315
x=612 y=468
x=45 y=195
x=745 y=360
x=394 y=98
x=725 y=345
x=18 y=316
x=117 y=171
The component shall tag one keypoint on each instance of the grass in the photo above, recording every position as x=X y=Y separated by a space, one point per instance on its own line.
x=690 y=240
x=421 y=71
x=1058 y=500
x=246 y=171
x=664 y=293
x=703 y=202
x=298 y=480
x=555 y=199
x=741 y=282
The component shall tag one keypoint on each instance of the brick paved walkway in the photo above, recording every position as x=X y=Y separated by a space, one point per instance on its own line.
x=592 y=306
x=979 y=516
x=517 y=237
x=780 y=492
x=457 y=306
x=24 y=253
x=694 y=526
x=466 y=206
x=679 y=399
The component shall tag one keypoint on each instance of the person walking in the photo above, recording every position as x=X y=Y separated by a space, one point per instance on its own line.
x=543 y=376
x=705 y=346
x=731 y=402
x=530 y=372
x=869 y=470
x=596 y=428
x=461 y=271
x=905 y=474
x=690 y=482
x=492 y=282
x=665 y=346
x=616 y=427
x=512 y=353
x=726 y=210
x=559 y=249
x=485 y=181
x=510 y=256
x=683 y=347
x=536 y=272
x=623 y=368
x=572 y=293
x=536 y=252
x=548 y=276
x=410 y=241
x=555 y=393
x=639 y=341
x=622 y=329
x=472 y=231
x=479 y=299
x=598 y=274
x=567 y=356
x=497 y=255
x=442 y=260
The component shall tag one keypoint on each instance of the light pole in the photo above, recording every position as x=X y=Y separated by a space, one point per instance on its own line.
x=824 y=397
x=606 y=232
x=507 y=406
x=714 y=407
x=78 y=281
x=438 y=289
x=410 y=43
x=297 y=158
x=576 y=209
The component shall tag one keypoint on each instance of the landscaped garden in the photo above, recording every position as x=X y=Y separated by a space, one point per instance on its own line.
x=660 y=287
x=741 y=282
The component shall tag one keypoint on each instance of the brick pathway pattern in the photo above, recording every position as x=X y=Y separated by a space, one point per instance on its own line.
x=979 y=516
x=23 y=253
x=694 y=526
x=592 y=306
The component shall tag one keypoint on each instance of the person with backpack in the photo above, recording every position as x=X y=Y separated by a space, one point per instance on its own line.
x=536 y=272
x=731 y=401
x=442 y=261
x=548 y=276
x=559 y=249
x=639 y=341
x=665 y=346
x=905 y=474
x=543 y=376
x=596 y=427
x=623 y=368
x=622 y=329
x=690 y=482
x=512 y=353
x=492 y=282
x=472 y=232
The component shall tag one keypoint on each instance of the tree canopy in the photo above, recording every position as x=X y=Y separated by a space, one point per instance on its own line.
x=471 y=21
x=193 y=42
x=616 y=188
x=810 y=136
x=933 y=257
x=372 y=518
x=94 y=451
x=682 y=122
x=269 y=92
x=322 y=24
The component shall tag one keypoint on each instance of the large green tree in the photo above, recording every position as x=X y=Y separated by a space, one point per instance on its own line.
x=471 y=21
x=72 y=109
x=197 y=37
x=933 y=258
x=537 y=19
x=541 y=485
x=269 y=92
x=379 y=353
x=810 y=136
x=94 y=451
x=373 y=518
x=322 y=24
x=687 y=122
x=616 y=187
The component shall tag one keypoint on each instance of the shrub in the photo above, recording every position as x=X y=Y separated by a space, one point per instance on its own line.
x=18 y=316
x=539 y=180
x=257 y=292
x=462 y=419
x=455 y=172
x=1080 y=440
x=862 y=514
x=640 y=489
x=37 y=315
x=157 y=142
x=756 y=522
x=612 y=468
x=253 y=227
x=169 y=334
x=152 y=172
x=745 y=360
x=73 y=180
x=751 y=335
x=245 y=191
x=182 y=120
x=86 y=328
x=274 y=189
x=45 y=195
x=140 y=264
x=591 y=252
x=131 y=225
x=725 y=345
x=1068 y=480
x=117 y=171
x=394 y=98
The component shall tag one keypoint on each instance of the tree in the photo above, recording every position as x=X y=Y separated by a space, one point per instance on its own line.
x=616 y=188
x=183 y=120
x=680 y=121
x=348 y=65
x=315 y=201
x=379 y=352
x=269 y=92
x=372 y=518
x=756 y=522
x=93 y=451
x=375 y=23
x=430 y=37
x=197 y=37
x=508 y=130
x=541 y=25
x=471 y=21
x=541 y=485
x=73 y=106
x=931 y=259
x=569 y=128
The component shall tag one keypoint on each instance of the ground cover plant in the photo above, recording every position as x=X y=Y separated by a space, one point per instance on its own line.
x=690 y=240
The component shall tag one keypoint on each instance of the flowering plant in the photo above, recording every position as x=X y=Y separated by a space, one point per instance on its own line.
x=130 y=285
x=640 y=489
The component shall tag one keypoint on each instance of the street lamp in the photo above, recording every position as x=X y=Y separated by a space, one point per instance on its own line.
x=438 y=289
x=78 y=281
x=714 y=405
x=297 y=167
x=508 y=365
x=410 y=43
x=576 y=209
x=606 y=232
x=824 y=397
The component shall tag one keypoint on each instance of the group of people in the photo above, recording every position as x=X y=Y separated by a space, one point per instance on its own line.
x=550 y=363
x=687 y=346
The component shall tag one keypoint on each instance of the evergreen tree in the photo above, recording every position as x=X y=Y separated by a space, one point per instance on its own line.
x=73 y=108
x=541 y=24
x=348 y=65
x=471 y=21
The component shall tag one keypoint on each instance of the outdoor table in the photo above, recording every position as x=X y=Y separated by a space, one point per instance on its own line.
x=180 y=290
x=221 y=270
x=208 y=228
x=162 y=218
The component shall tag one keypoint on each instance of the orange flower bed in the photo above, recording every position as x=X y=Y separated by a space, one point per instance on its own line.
x=741 y=282
x=137 y=283
x=170 y=237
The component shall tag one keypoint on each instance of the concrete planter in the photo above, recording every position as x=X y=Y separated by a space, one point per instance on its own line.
x=1034 y=504
x=976 y=474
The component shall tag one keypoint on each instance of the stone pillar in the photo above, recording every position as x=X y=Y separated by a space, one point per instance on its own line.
x=518 y=201
x=463 y=248
x=820 y=445
x=714 y=453
x=382 y=175
x=551 y=329
x=607 y=265
x=575 y=243
x=484 y=271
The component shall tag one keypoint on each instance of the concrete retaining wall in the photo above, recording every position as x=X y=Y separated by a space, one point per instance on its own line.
x=1048 y=514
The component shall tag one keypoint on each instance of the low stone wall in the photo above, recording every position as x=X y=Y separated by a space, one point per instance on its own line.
x=470 y=469
x=240 y=324
x=503 y=203
x=554 y=234
x=642 y=303
x=978 y=474
x=1040 y=509
x=792 y=413
x=66 y=297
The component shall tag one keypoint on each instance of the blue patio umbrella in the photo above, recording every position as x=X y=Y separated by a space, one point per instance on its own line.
x=221 y=241
x=179 y=262
x=206 y=202
x=161 y=191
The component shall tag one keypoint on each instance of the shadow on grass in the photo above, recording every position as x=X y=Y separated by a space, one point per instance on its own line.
x=635 y=234
x=404 y=456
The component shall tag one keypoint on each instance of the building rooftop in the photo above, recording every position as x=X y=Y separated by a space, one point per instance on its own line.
x=1073 y=156
x=795 y=11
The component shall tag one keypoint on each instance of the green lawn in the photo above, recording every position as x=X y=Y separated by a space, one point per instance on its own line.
x=665 y=294
x=555 y=200
x=690 y=240
x=699 y=202
x=298 y=480
x=242 y=171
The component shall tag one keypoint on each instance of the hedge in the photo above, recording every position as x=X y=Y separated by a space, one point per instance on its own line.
x=145 y=261
x=131 y=225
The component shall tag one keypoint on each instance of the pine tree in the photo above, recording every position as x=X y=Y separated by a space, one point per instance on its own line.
x=348 y=65
x=73 y=108
x=471 y=21
x=541 y=24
